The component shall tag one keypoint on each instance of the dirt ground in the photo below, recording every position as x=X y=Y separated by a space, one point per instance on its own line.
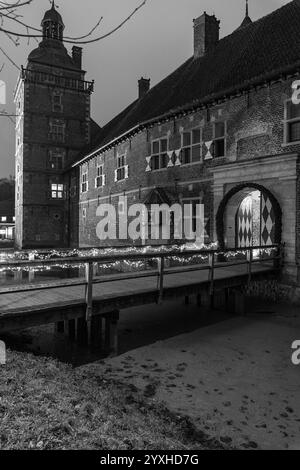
x=234 y=379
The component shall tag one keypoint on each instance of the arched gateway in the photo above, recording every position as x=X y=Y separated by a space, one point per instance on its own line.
x=249 y=215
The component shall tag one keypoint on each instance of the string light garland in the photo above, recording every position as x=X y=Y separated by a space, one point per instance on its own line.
x=122 y=265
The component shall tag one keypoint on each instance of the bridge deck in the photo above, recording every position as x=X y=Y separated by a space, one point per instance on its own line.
x=30 y=308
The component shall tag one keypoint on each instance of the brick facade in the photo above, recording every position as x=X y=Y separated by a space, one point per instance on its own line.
x=254 y=132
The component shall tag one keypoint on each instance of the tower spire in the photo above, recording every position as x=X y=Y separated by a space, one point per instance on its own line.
x=247 y=20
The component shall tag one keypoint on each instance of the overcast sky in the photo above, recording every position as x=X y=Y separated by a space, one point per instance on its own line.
x=154 y=43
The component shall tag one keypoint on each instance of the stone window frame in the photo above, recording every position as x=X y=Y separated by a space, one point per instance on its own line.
x=160 y=152
x=84 y=180
x=192 y=145
x=217 y=139
x=100 y=176
x=286 y=123
x=121 y=172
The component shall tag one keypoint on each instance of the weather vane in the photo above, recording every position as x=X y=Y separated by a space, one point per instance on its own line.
x=53 y=4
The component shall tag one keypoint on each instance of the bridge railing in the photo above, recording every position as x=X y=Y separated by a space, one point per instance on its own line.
x=216 y=259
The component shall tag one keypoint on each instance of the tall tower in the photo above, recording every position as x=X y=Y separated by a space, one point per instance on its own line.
x=53 y=124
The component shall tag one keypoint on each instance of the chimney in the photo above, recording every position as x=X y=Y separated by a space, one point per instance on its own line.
x=206 y=34
x=144 y=87
x=77 y=56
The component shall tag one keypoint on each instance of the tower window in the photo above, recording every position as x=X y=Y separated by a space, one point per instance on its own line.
x=57 y=131
x=57 y=103
x=57 y=191
x=56 y=160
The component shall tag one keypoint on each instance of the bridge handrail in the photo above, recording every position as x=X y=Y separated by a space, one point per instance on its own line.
x=159 y=256
x=109 y=258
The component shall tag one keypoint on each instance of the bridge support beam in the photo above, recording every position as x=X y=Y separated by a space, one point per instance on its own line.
x=81 y=331
x=206 y=299
x=111 y=332
x=70 y=328
x=239 y=303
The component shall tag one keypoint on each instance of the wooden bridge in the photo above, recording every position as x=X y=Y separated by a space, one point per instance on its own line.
x=87 y=309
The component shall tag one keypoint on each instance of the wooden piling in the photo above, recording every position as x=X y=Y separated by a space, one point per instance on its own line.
x=111 y=332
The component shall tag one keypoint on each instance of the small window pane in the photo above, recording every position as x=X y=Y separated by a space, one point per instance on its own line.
x=155 y=147
x=196 y=136
x=186 y=139
x=155 y=162
x=196 y=153
x=293 y=110
x=164 y=145
x=164 y=160
x=219 y=148
x=186 y=156
x=219 y=129
x=294 y=132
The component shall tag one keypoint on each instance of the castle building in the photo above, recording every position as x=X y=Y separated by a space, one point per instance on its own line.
x=221 y=130
x=53 y=125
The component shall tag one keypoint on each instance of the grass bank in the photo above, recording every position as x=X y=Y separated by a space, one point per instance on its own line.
x=47 y=405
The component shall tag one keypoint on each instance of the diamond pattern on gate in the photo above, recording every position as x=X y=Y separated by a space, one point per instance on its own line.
x=245 y=223
x=267 y=221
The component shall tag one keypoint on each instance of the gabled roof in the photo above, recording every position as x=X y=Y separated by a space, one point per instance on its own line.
x=254 y=52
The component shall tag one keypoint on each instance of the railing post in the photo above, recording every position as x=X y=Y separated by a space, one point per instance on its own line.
x=31 y=273
x=278 y=263
x=89 y=290
x=161 y=267
x=211 y=259
x=249 y=261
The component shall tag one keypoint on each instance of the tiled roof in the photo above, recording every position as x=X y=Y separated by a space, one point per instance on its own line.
x=254 y=51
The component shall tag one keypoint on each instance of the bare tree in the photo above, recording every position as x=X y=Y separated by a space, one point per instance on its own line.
x=13 y=26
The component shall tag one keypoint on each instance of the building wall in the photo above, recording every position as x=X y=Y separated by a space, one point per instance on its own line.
x=255 y=130
x=42 y=220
